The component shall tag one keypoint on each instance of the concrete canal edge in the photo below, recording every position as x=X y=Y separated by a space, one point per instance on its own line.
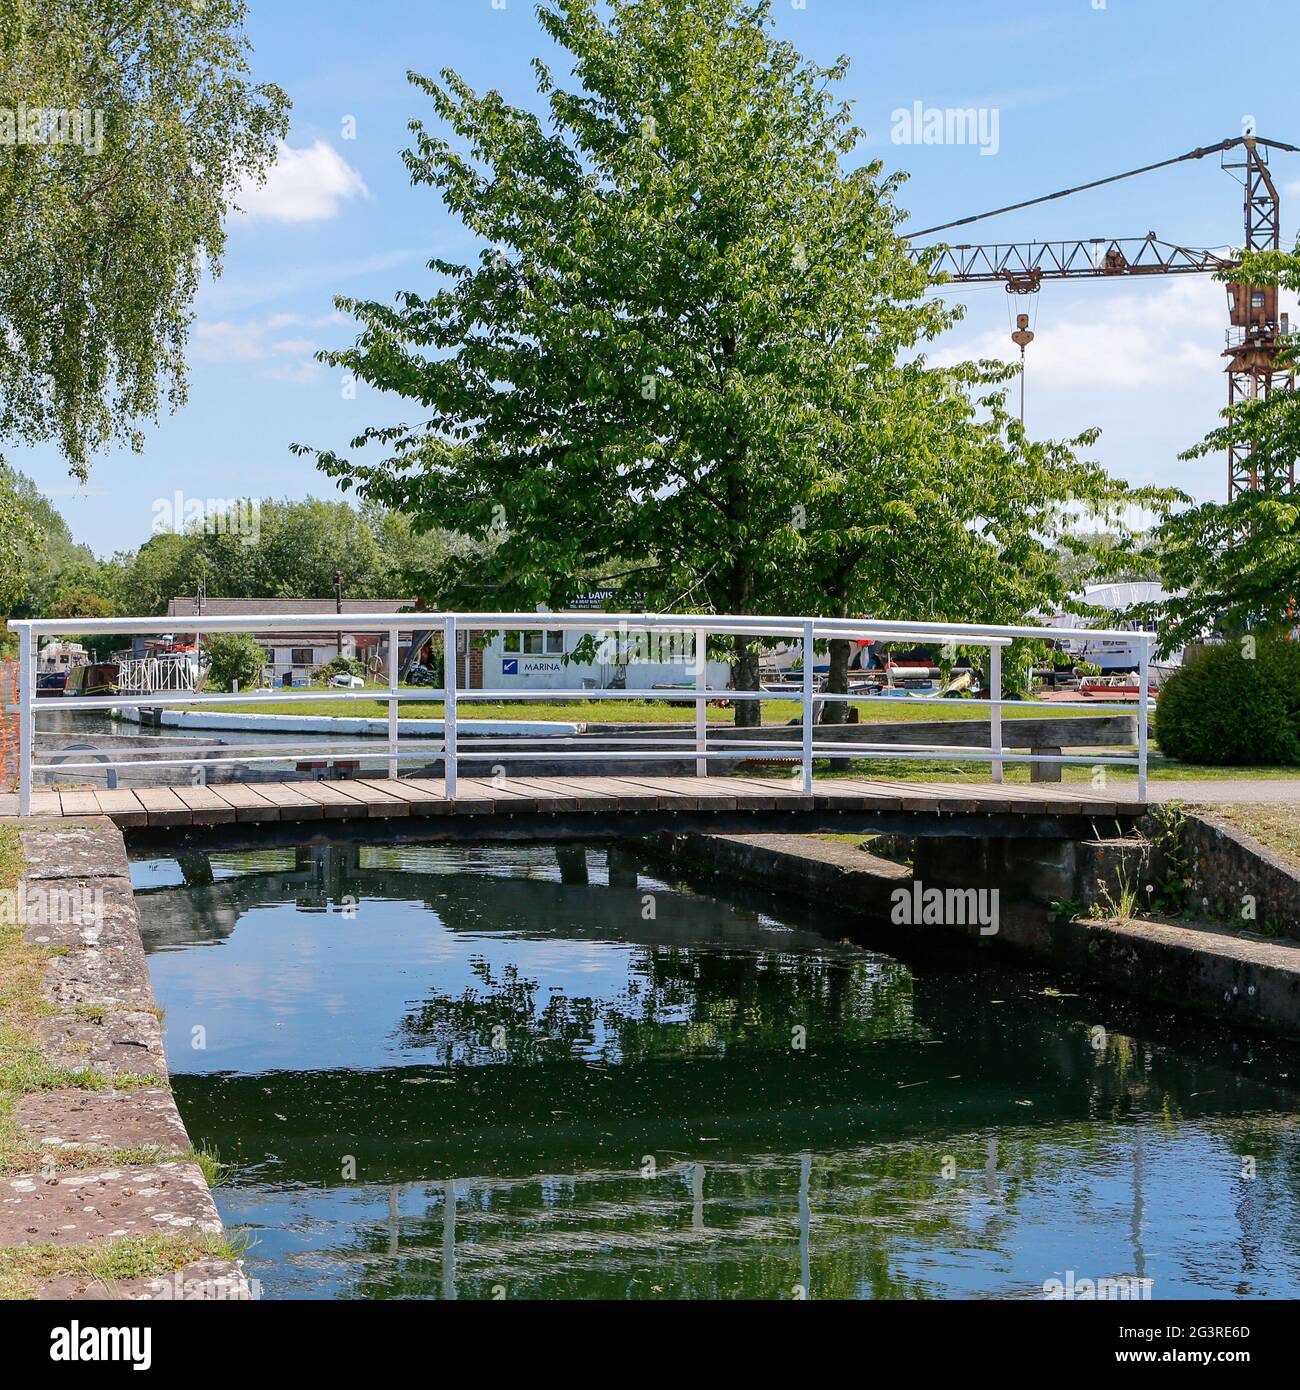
x=109 y=1199
x=1214 y=970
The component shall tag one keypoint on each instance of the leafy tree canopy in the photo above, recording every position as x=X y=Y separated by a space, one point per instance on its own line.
x=126 y=128
x=686 y=363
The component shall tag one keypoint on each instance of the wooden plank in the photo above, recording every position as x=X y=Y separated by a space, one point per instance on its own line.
x=123 y=808
x=547 y=798
x=876 y=795
x=164 y=806
x=207 y=807
x=777 y=793
x=475 y=796
x=651 y=793
x=619 y=794
x=470 y=801
x=992 y=800
x=432 y=792
x=79 y=804
x=506 y=794
x=46 y=804
x=333 y=800
x=577 y=796
x=294 y=804
x=729 y=793
x=379 y=801
x=421 y=803
x=249 y=805
x=709 y=793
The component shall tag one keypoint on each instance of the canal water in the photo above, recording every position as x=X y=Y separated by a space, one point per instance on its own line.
x=523 y=1071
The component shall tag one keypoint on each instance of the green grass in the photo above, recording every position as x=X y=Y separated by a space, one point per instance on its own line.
x=24 y=1068
x=1277 y=827
x=1159 y=769
x=24 y=1268
x=588 y=711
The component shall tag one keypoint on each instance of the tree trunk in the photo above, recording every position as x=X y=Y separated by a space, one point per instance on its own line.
x=744 y=676
x=740 y=593
x=837 y=682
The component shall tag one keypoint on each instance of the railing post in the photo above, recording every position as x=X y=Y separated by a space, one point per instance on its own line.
x=1144 y=687
x=995 y=710
x=807 y=708
x=26 y=719
x=449 y=678
x=701 y=706
x=392 y=703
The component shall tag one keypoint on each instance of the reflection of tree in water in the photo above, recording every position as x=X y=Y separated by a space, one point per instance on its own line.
x=853 y=1220
x=696 y=1042
x=674 y=1002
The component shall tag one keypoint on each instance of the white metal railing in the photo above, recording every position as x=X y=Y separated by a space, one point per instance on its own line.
x=145 y=675
x=804 y=744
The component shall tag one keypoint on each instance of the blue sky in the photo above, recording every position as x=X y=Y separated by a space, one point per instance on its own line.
x=1081 y=90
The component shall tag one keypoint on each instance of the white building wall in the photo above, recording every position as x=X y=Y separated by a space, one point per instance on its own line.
x=670 y=662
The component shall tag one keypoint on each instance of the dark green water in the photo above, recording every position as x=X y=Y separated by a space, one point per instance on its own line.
x=477 y=1072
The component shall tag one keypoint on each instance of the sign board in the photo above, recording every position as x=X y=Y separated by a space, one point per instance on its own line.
x=529 y=665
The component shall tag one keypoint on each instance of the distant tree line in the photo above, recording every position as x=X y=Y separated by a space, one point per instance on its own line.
x=285 y=549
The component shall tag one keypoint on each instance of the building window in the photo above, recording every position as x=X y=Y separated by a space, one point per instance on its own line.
x=301 y=656
x=534 y=643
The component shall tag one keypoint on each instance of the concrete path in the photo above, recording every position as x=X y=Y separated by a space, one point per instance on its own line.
x=1226 y=793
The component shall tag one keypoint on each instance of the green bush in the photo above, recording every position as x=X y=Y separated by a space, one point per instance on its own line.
x=1237 y=702
x=233 y=656
x=340 y=666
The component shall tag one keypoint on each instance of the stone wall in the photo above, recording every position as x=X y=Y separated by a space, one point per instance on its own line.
x=1231 y=872
x=1219 y=972
x=77 y=900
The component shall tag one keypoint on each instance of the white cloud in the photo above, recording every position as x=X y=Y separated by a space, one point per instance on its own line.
x=304 y=185
x=1133 y=342
x=296 y=373
x=259 y=340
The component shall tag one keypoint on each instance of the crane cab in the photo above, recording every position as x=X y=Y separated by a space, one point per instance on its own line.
x=1253 y=308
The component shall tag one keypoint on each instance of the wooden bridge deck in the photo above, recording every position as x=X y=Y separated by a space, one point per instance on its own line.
x=519 y=798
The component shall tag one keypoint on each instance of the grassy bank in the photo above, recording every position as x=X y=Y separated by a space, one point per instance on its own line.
x=587 y=711
x=24 y=1069
x=1277 y=826
x=1159 y=769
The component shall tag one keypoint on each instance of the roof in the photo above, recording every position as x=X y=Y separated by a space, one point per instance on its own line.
x=238 y=607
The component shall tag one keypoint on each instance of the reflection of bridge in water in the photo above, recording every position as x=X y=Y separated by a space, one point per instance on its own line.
x=478 y=1166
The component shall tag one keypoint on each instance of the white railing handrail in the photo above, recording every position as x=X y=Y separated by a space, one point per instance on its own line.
x=745 y=625
x=804 y=632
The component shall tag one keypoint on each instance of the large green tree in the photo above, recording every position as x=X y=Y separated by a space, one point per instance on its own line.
x=1235 y=566
x=675 y=367
x=630 y=380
